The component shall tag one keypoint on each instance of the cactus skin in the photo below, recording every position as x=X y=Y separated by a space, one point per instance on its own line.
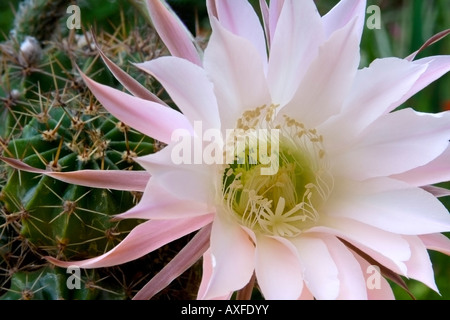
x=50 y=283
x=50 y=119
x=38 y=18
x=53 y=121
x=62 y=126
x=66 y=129
x=61 y=217
x=35 y=22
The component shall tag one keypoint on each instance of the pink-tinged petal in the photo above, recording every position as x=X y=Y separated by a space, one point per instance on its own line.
x=390 y=205
x=212 y=9
x=175 y=177
x=437 y=191
x=390 y=267
x=319 y=270
x=265 y=19
x=143 y=239
x=233 y=256
x=328 y=80
x=397 y=142
x=344 y=12
x=188 y=86
x=199 y=185
x=437 y=66
x=165 y=159
x=105 y=179
x=275 y=8
x=374 y=91
x=150 y=118
x=428 y=43
x=378 y=288
x=240 y=18
x=237 y=71
x=306 y=294
x=278 y=269
x=207 y=271
x=158 y=203
x=419 y=266
x=129 y=82
x=351 y=279
x=206 y=278
x=433 y=172
x=436 y=242
x=173 y=33
x=296 y=42
x=189 y=255
x=387 y=248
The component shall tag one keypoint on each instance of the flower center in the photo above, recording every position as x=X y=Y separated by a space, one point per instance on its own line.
x=286 y=201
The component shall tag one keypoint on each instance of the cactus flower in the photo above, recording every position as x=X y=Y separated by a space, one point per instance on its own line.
x=348 y=187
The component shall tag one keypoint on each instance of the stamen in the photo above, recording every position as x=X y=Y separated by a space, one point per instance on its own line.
x=287 y=202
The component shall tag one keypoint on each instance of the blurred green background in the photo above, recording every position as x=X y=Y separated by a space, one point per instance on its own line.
x=405 y=26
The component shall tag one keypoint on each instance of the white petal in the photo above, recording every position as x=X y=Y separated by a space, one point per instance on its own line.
x=351 y=278
x=328 y=80
x=237 y=71
x=419 y=266
x=320 y=271
x=437 y=242
x=374 y=91
x=433 y=172
x=343 y=13
x=175 y=177
x=387 y=248
x=377 y=286
x=159 y=204
x=233 y=258
x=390 y=205
x=207 y=270
x=240 y=18
x=188 y=86
x=397 y=142
x=277 y=269
x=437 y=66
x=295 y=45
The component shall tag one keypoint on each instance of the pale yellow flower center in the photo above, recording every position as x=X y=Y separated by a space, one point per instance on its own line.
x=287 y=201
